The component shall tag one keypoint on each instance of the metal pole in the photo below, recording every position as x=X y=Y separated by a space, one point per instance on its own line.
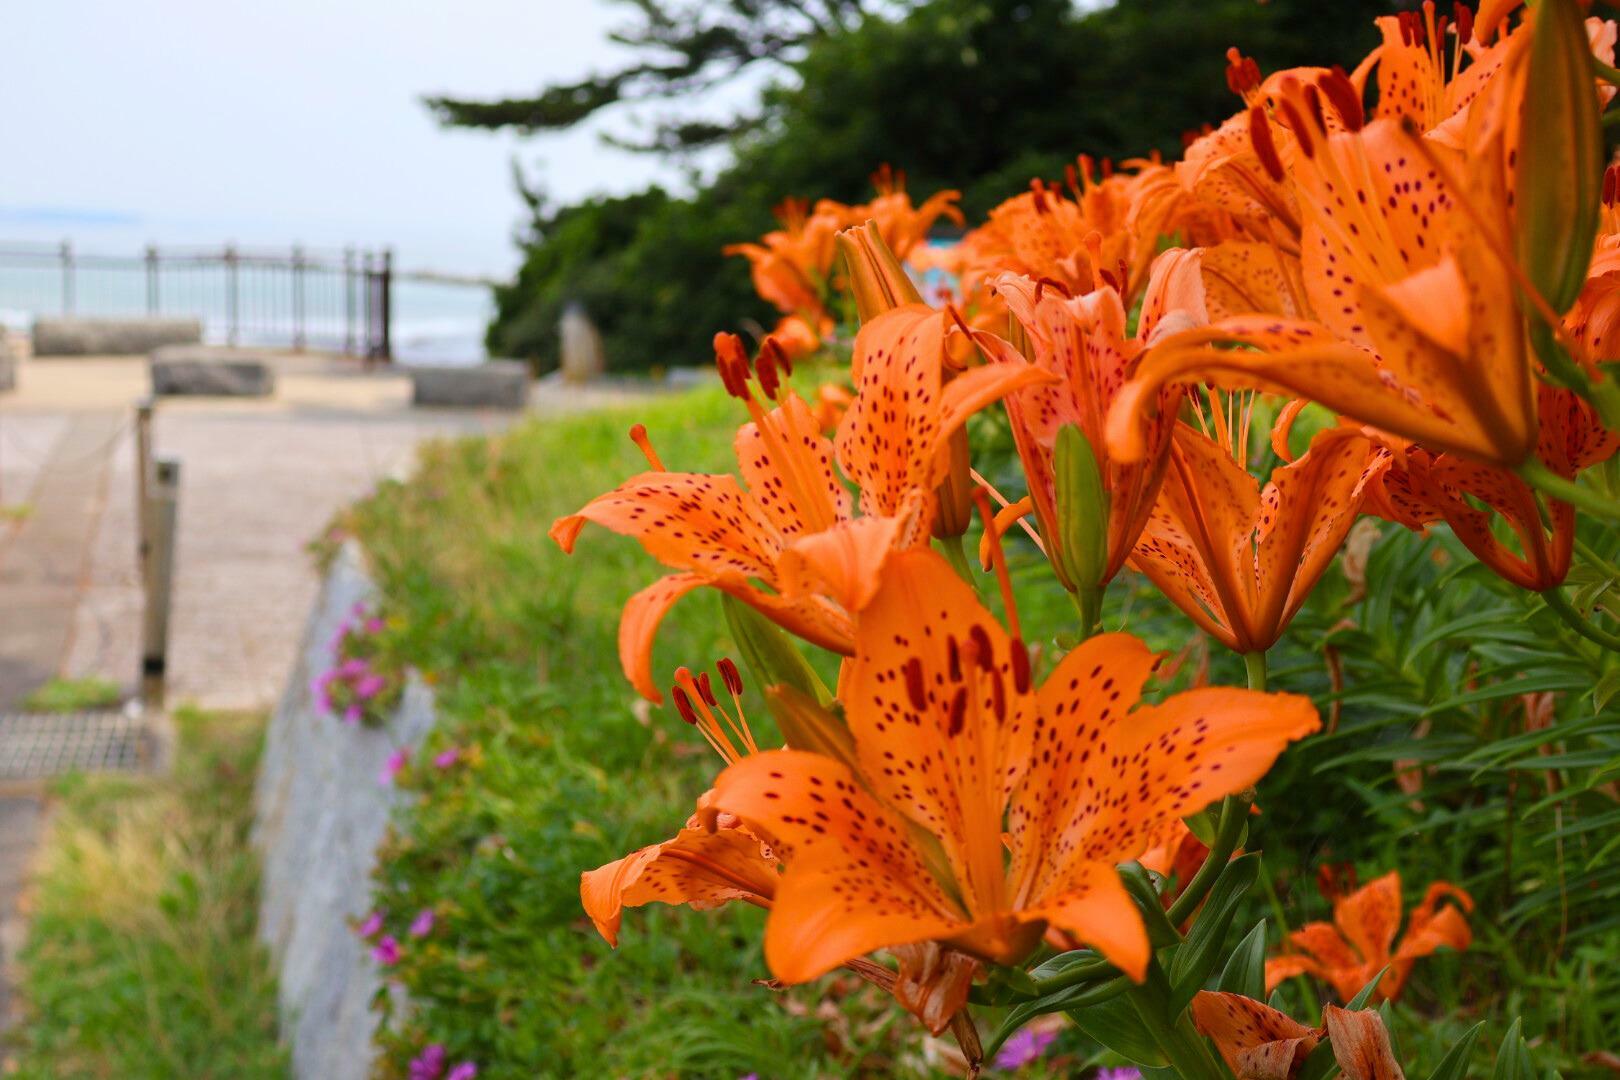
x=232 y=324
x=348 y=301
x=160 y=513
x=153 y=300
x=298 y=297
x=387 y=304
x=67 y=277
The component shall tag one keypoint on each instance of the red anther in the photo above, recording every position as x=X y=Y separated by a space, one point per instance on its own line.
x=1020 y=666
x=731 y=361
x=1107 y=167
x=1346 y=102
x=915 y=688
x=1038 y=190
x=1111 y=281
x=705 y=691
x=1264 y=148
x=1313 y=98
x=683 y=705
x=1463 y=16
x=958 y=712
x=1404 y=21
x=730 y=675
x=1072 y=180
x=1055 y=285
x=1087 y=167
x=1440 y=25
x=1296 y=124
x=953 y=658
x=765 y=368
x=779 y=355
x=1611 y=184
x=1242 y=73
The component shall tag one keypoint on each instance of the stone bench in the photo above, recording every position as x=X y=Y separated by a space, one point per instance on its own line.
x=71 y=336
x=189 y=370
x=8 y=366
x=495 y=384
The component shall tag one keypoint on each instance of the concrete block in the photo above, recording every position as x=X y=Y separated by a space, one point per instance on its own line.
x=8 y=366
x=495 y=384
x=74 y=336
x=184 y=370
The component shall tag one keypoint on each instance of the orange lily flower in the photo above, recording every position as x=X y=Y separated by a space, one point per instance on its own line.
x=1259 y=1043
x=790 y=545
x=1083 y=342
x=791 y=265
x=1409 y=269
x=903 y=226
x=1421 y=488
x=962 y=762
x=1360 y=941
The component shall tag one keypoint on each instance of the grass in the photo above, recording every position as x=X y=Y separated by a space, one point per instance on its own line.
x=565 y=769
x=141 y=959
x=74 y=695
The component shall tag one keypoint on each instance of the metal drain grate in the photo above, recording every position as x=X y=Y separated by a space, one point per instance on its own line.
x=34 y=745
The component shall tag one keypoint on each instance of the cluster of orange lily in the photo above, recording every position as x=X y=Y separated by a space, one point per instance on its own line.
x=1399 y=279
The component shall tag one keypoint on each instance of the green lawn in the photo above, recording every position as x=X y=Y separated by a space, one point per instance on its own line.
x=141 y=959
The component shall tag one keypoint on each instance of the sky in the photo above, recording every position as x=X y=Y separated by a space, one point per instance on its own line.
x=205 y=121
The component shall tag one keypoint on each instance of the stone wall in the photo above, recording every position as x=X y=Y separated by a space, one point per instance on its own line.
x=76 y=336
x=319 y=817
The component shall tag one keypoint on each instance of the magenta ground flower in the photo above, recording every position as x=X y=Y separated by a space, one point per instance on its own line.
x=386 y=951
x=1026 y=1046
x=1122 y=1072
x=369 y=686
x=465 y=1071
x=446 y=758
x=429 y=1064
x=422 y=925
x=391 y=767
x=371 y=926
x=352 y=715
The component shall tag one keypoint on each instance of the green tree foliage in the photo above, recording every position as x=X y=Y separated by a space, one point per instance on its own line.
x=979 y=95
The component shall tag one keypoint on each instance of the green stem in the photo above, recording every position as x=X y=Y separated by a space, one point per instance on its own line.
x=1088 y=600
x=1188 y=1052
x=957 y=557
x=1605 y=72
x=1543 y=479
x=1565 y=610
x=1604 y=394
x=1313 y=1007
x=1074 y=976
x=1234 y=815
x=1591 y=555
x=1255 y=664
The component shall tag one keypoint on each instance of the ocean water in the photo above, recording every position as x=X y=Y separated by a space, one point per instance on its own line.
x=433 y=322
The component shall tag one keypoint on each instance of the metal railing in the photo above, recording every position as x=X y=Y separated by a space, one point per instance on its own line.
x=339 y=301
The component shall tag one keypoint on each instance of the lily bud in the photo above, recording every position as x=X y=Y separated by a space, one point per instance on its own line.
x=806 y=724
x=770 y=654
x=1079 y=552
x=876 y=279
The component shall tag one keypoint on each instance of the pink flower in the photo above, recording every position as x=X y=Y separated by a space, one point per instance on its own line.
x=371 y=926
x=422 y=925
x=465 y=1071
x=429 y=1064
x=391 y=767
x=386 y=951
x=352 y=668
x=446 y=758
x=352 y=715
x=1026 y=1046
x=375 y=625
x=369 y=686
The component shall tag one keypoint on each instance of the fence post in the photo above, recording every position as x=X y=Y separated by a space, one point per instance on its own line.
x=153 y=300
x=298 y=297
x=348 y=301
x=67 y=277
x=159 y=516
x=386 y=303
x=232 y=321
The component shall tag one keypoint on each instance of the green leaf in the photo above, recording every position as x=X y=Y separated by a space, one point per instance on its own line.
x=1454 y=1066
x=1140 y=886
x=1082 y=509
x=1245 y=970
x=1115 y=1025
x=770 y=654
x=1560 y=161
x=1199 y=954
x=1513 y=1058
x=1361 y=999
x=1321 y=1065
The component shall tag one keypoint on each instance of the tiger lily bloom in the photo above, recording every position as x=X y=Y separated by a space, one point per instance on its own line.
x=1407 y=265
x=1360 y=942
x=903 y=226
x=983 y=810
x=790 y=545
x=715 y=860
x=1237 y=557
x=1259 y=1043
x=1082 y=341
x=1420 y=488
x=790 y=266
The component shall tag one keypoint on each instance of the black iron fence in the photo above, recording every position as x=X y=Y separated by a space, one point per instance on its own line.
x=339 y=301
